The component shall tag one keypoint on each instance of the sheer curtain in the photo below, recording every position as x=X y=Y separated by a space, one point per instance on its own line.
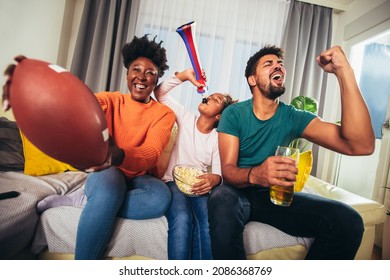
x=228 y=32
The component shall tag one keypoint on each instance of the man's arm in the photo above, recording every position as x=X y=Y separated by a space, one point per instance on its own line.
x=228 y=152
x=265 y=174
x=355 y=135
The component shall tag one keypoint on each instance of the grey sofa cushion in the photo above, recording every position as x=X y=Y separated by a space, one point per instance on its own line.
x=18 y=217
x=57 y=229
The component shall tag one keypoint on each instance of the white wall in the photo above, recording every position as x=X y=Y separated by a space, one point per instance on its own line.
x=70 y=28
x=32 y=28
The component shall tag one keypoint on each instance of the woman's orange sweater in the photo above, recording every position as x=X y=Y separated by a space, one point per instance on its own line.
x=141 y=130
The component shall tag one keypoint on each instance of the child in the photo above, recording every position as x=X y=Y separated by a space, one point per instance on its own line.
x=197 y=145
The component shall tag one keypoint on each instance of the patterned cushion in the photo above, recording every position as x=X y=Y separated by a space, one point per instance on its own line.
x=11 y=148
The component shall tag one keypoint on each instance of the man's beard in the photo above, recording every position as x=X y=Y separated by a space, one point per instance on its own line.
x=273 y=92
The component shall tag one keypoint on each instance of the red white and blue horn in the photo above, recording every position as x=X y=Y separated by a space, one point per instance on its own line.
x=187 y=33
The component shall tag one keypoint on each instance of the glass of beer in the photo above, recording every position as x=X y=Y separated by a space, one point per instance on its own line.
x=281 y=195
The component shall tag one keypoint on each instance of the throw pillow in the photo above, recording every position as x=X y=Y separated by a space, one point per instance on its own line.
x=11 y=149
x=38 y=163
x=304 y=168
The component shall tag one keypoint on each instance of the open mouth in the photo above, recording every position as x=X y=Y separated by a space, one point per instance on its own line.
x=139 y=86
x=278 y=78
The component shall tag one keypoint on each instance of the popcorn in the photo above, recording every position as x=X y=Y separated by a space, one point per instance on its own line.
x=185 y=178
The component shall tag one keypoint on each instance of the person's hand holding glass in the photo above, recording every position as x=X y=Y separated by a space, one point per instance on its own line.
x=281 y=195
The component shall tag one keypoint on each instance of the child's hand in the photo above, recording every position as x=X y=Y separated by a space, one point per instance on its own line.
x=189 y=75
x=206 y=184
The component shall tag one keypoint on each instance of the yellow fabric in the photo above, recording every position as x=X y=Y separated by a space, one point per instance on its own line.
x=304 y=168
x=38 y=163
x=293 y=252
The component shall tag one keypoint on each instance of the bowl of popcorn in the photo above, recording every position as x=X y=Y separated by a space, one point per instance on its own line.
x=185 y=177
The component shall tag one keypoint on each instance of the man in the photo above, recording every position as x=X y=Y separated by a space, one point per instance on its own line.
x=249 y=133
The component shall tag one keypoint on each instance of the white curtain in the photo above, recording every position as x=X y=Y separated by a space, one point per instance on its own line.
x=227 y=33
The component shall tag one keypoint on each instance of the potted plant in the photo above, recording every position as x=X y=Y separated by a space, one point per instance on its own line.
x=305 y=103
x=306 y=158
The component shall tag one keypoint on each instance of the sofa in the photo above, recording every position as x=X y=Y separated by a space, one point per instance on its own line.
x=24 y=234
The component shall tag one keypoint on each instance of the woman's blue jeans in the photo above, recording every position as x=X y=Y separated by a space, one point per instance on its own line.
x=110 y=194
x=336 y=227
x=188 y=227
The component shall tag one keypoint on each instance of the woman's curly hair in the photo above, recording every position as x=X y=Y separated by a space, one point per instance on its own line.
x=143 y=47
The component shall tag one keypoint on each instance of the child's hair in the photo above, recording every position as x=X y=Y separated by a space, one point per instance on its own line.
x=143 y=47
x=229 y=101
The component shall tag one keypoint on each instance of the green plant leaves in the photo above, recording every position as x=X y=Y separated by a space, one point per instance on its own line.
x=305 y=103
x=308 y=104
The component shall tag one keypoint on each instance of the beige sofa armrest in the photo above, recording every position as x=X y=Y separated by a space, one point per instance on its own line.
x=372 y=212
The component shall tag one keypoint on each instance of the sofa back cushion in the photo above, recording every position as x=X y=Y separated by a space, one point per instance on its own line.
x=162 y=164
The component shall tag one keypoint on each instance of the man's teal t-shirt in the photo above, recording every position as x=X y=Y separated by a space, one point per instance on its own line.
x=259 y=139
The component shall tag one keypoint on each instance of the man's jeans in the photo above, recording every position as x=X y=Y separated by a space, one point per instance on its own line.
x=336 y=227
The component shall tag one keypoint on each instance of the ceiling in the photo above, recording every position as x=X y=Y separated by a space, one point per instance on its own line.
x=338 y=5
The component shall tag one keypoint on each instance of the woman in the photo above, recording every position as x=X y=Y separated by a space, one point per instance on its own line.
x=126 y=185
